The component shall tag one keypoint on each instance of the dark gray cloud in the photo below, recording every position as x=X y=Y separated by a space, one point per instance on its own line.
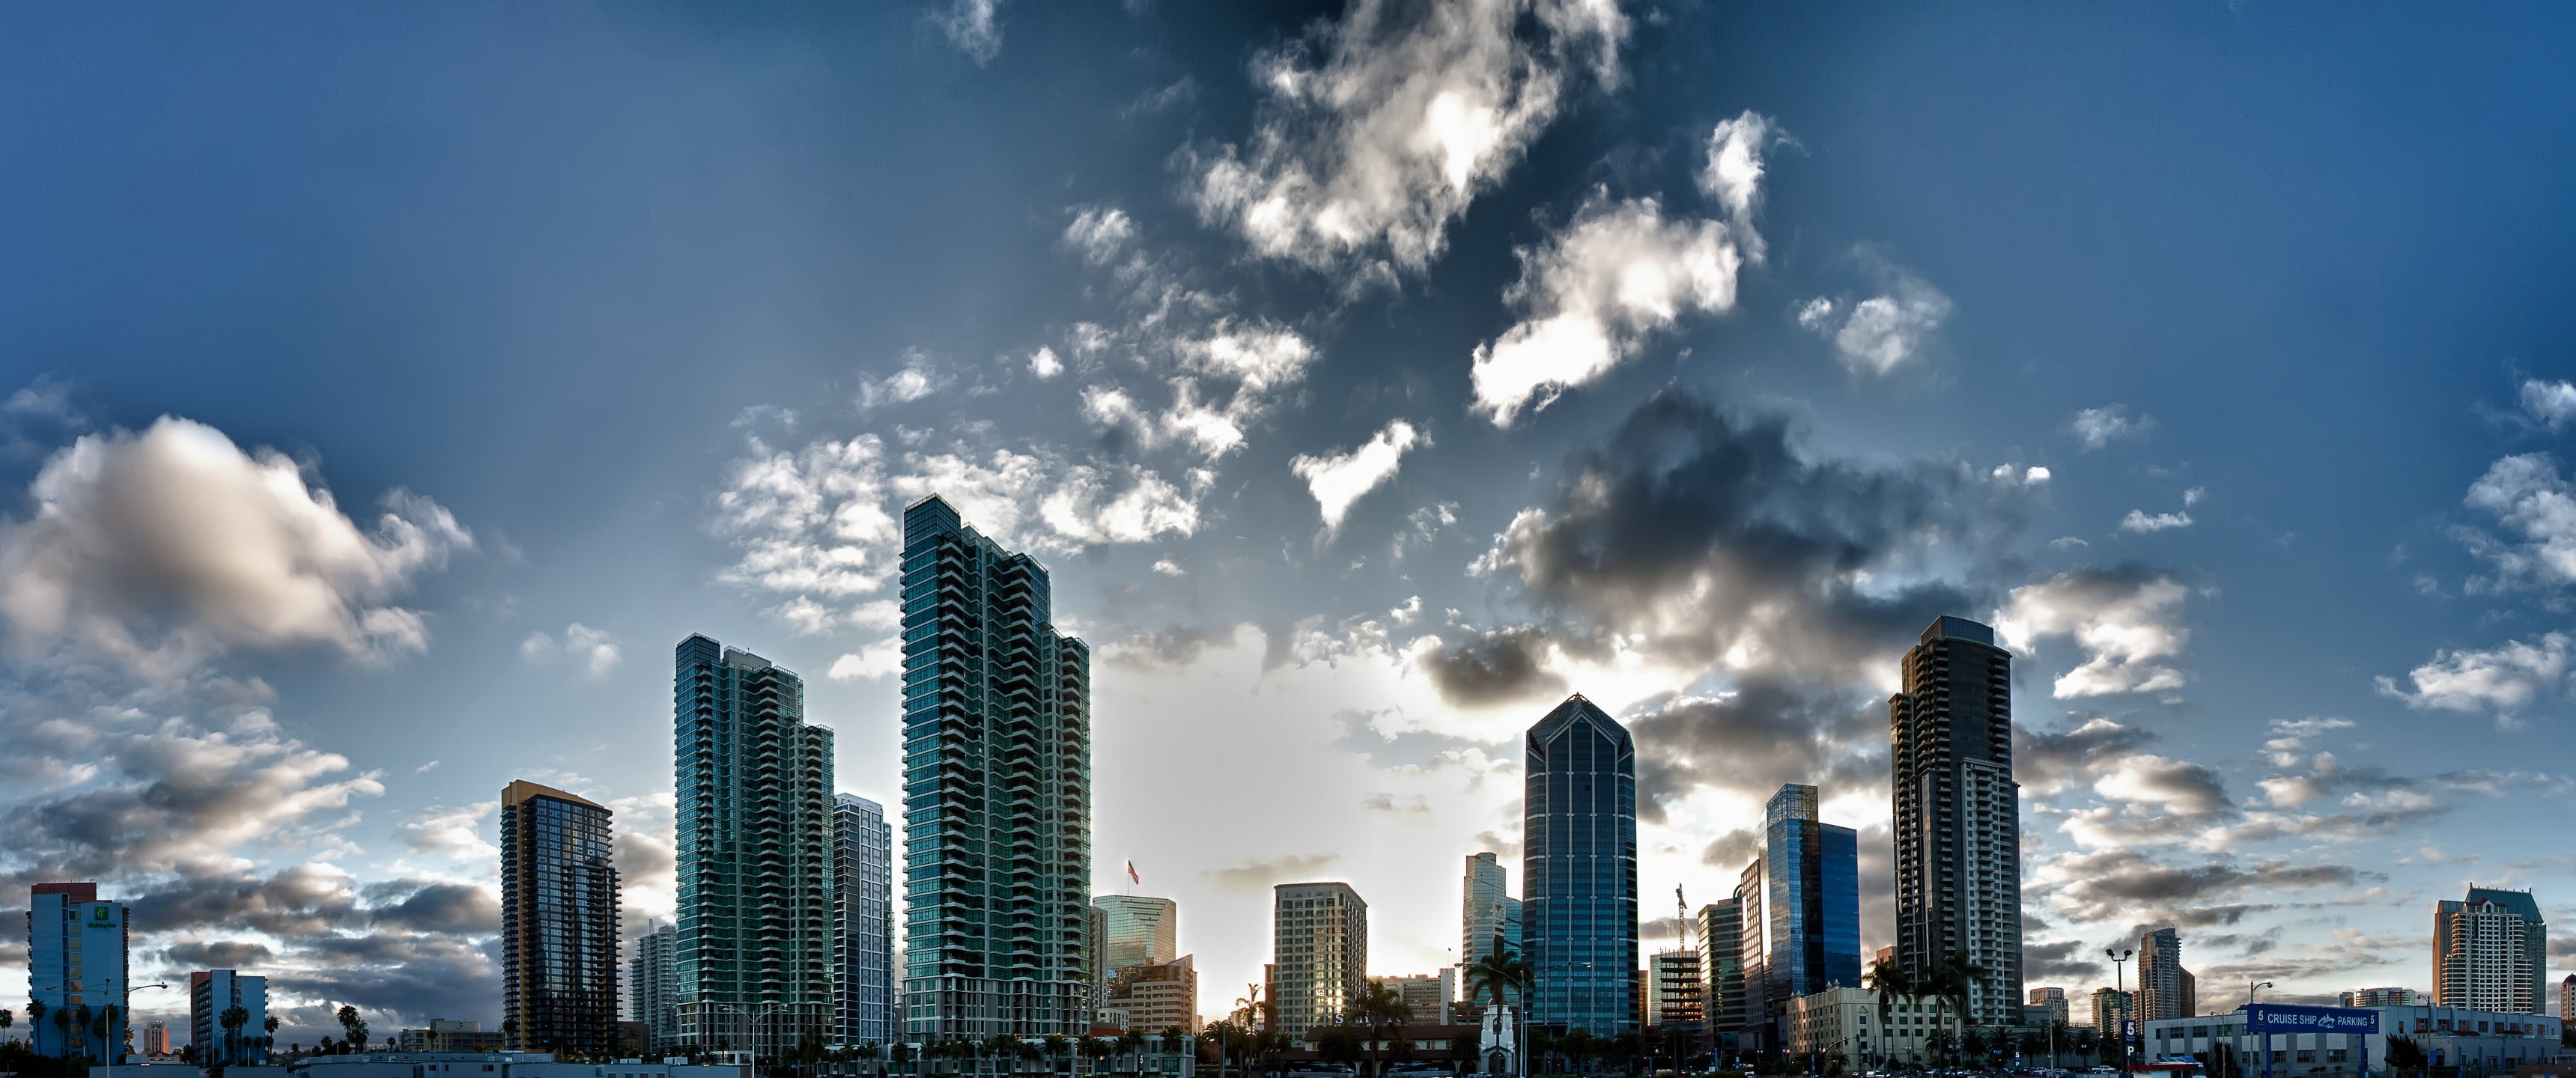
x=1732 y=850
x=218 y=954
x=2071 y=962
x=1497 y=667
x=2048 y=762
x=2124 y=885
x=1753 y=740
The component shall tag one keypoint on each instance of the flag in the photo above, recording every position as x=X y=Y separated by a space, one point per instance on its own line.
x=1131 y=874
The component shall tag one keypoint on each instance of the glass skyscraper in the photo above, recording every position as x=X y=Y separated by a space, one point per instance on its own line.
x=863 y=862
x=1958 y=814
x=996 y=791
x=558 y=923
x=1487 y=911
x=1579 y=871
x=1807 y=927
x=1139 y=931
x=753 y=965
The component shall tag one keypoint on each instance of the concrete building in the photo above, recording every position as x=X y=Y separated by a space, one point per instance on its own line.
x=1675 y=991
x=156 y=1039
x=2491 y=952
x=652 y=988
x=1157 y=996
x=863 y=935
x=2381 y=997
x=213 y=992
x=2567 y=997
x=2111 y=1007
x=1579 y=872
x=1958 y=814
x=76 y=965
x=996 y=792
x=1721 y=948
x=2161 y=976
x=558 y=922
x=399 y=1064
x=1139 y=930
x=1319 y=953
x=449 y=1036
x=1846 y=1021
x=1420 y=993
x=2478 y=1042
x=1801 y=913
x=752 y=968
x=2050 y=1003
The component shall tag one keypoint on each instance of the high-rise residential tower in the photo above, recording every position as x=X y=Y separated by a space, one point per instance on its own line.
x=1958 y=814
x=558 y=923
x=76 y=966
x=2161 y=977
x=211 y=992
x=863 y=872
x=1579 y=871
x=1319 y=954
x=1801 y=910
x=1721 y=946
x=753 y=965
x=1137 y=931
x=651 y=988
x=1487 y=910
x=996 y=791
x=2491 y=953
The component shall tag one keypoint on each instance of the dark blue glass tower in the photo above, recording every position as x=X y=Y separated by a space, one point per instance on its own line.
x=1810 y=902
x=1579 y=871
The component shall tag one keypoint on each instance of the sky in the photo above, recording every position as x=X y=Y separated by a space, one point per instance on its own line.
x=384 y=391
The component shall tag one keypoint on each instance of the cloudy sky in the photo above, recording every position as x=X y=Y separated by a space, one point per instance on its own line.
x=384 y=392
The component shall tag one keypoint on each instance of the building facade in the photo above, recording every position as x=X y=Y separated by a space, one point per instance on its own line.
x=1801 y=907
x=1579 y=871
x=2111 y=1007
x=1958 y=814
x=558 y=922
x=2048 y=1006
x=1138 y=931
x=2381 y=997
x=652 y=983
x=863 y=938
x=1721 y=948
x=2491 y=952
x=996 y=792
x=211 y=994
x=449 y=1036
x=77 y=957
x=1487 y=911
x=2161 y=976
x=1318 y=954
x=1846 y=1022
x=156 y=1039
x=1158 y=996
x=2476 y=1042
x=1676 y=991
x=752 y=965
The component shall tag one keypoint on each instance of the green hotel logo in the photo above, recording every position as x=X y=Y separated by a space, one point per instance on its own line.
x=102 y=914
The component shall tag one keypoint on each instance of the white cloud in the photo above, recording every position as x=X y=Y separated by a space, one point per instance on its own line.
x=595 y=651
x=2098 y=427
x=1733 y=174
x=1382 y=127
x=2551 y=404
x=1098 y=232
x=1592 y=293
x=163 y=548
x=1167 y=567
x=1886 y=331
x=2194 y=495
x=1257 y=359
x=2129 y=624
x=455 y=834
x=2009 y=475
x=2503 y=680
x=1044 y=363
x=975 y=27
x=2527 y=495
x=914 y=381
x=1339 y=480
x=1087 y=508
x=2138 y=521
x=873 y=661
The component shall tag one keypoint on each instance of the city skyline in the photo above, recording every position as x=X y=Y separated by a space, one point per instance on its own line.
x=380 y=394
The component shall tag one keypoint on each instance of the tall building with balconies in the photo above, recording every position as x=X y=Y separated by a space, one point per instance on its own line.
x=1958 y=814
x=996 y=792
x=652 y=974
x=752 y=967
x=1579 y=871
x=558 y=922
x=212 y=994
x=1318 y=954
x=2491 y=952
x=863 y=940
x=2163 y=984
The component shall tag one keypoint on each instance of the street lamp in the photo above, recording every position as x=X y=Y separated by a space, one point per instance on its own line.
x=751 y=1035
x=2128 y=1009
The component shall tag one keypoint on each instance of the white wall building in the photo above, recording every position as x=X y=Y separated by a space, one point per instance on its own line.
x=2481 y=1041
x=1846 y=1020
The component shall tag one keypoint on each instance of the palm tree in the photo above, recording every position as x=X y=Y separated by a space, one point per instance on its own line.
x=7 y=1019
x=354 y=1025
x=1953 y=981
x=269 y=1028
x=1379 y=1007
x=1134 y=1043
x=233 y=1019
x=1498 y=973
x=1892 y=982
x=35 y=1018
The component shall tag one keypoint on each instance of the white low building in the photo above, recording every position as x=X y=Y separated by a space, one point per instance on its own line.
x=2479 y=1042
x=1846 y=1020
x=495 y=1065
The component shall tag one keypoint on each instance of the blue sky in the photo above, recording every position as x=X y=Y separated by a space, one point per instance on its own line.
x=386 y=390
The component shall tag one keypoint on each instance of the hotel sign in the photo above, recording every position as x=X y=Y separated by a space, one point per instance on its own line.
x=2291 y=1018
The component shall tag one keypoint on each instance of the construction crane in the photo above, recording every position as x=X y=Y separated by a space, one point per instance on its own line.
x=1681 y=920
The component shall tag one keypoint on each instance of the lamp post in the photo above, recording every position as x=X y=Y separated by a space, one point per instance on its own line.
x=2252 y=987
x=751 y=1033
x=2119 y=957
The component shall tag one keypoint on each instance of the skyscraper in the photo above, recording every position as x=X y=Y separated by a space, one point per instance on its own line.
x=996 y=791
x=2161 y=976
x=76 y=966
x=1958 y=814
x=558 y=923
x=1721 y=946
x=211 y=992
x=1674 y=991
x=2491 y=952
x=863 y=872
x=1579 y=871
x=1487 y=910
x=1319 y=953
x=753 y=964
x=1801 y=903
x=1138 y=931
x=652 y=997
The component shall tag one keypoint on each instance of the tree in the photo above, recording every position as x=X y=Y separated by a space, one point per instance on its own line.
x=1953 y=981
x=1892 y=983
x=7 y=1019
x=233 y=1019
x=355 y=1026
x=1498 y=973
x=1380 y=1008
x=269 y=1028
x=1133 y=1043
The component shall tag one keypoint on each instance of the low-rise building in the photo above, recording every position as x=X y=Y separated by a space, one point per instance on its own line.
x=399 y=1064
x=447 y=1036
x=1155 y=997
x=2383 y=997
x=2478 y=1041
x=1847 y=1021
